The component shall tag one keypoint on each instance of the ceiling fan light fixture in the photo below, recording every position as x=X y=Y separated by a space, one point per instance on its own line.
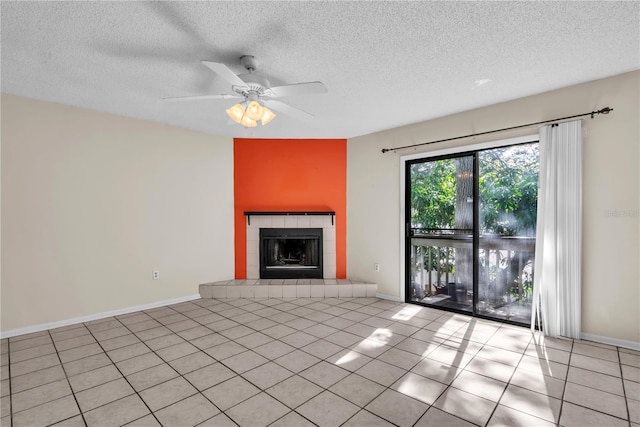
x=267 y=115
x=249 y=116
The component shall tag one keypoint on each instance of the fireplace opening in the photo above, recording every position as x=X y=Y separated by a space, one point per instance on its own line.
x=291 y=253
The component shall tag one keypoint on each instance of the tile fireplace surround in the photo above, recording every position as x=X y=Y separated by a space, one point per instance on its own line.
x=253 y=287
x=326 y=222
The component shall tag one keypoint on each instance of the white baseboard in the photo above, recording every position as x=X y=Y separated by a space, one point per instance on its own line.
x=611 y=341
x=45 y=326
x=389 y=297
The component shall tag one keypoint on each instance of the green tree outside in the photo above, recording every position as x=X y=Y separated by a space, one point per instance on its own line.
x=508 y=185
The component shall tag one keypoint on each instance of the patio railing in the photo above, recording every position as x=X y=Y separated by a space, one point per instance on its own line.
x=505 y=265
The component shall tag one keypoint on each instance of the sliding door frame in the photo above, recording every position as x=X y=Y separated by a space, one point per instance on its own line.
x=405 y=239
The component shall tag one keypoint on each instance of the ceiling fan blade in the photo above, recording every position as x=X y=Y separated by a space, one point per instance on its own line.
x=224 y=72
x=199 y=97
x=287 y=109
x=299 y=89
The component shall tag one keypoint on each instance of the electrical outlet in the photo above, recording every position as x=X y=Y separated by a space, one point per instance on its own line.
x=376 y=267
x=155 y=275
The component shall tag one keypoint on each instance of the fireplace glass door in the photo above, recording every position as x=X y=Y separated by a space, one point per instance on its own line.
x=289 y=253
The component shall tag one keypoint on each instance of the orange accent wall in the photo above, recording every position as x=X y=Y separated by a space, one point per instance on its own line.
x=290 y=175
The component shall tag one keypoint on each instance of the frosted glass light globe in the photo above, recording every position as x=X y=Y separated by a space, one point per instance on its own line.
x=254 y=110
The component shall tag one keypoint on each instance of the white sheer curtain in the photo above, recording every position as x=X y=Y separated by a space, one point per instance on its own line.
x=557 y=272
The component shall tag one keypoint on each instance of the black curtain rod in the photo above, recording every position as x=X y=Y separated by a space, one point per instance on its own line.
x=605 y=110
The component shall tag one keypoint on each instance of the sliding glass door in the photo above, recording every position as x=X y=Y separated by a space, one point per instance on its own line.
x=470 y=231
x=440 y=229
x=508 y=189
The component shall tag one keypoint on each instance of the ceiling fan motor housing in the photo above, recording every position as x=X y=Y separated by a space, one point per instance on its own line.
x=255 y=83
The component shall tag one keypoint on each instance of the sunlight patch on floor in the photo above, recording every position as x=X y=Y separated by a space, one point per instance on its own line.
x=407 y=312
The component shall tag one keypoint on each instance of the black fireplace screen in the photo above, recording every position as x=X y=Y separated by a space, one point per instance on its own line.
x=288 y=253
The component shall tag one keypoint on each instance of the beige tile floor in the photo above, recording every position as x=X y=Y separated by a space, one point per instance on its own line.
x=304 y=362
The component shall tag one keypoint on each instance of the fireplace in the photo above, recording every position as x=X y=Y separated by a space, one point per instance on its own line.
x=256 y=221
x=291 y=253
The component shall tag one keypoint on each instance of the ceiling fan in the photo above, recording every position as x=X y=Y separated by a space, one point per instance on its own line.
x=257 y=94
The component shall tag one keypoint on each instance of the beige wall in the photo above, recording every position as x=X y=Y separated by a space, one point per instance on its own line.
x=611 y=279
x=93 y=202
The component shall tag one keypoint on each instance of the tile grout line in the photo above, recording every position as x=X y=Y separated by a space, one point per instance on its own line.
x=68 y=382
x=448 y=386
x=121 y=373
x=10 y=385
x=180 y=375
x=592 y=388
x=508 y=383
x=47 y=334
x=566 y=380
x=624 y=388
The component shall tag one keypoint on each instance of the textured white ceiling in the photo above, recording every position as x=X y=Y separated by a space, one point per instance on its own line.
x=386 y=64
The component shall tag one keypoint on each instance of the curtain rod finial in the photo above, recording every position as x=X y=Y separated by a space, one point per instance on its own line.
x=605 y=110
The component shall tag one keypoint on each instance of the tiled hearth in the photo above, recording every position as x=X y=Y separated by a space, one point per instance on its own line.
x=289 y=288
